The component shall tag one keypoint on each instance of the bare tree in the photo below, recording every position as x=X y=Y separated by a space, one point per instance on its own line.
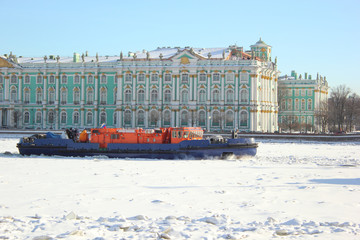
x=289 y=123
x=351 y=111
x=16 y=117
x=321 y=115
x=338 y=98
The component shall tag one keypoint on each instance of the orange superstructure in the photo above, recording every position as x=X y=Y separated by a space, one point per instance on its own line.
x=103 y=136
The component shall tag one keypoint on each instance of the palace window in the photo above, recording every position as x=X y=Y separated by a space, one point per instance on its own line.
x=167 y=117
x=51 y=117
x=154 y=77
x=63 y=96
x=244 y=77
x=38 y=96
x=244 y=95
x=51 y=96
x=215 y=119
x=90 y=79
x=114 y=118
x=13 y=95
x=76 y=96
x=216 y=96
x=26 y=117
x=167 y=96
x=202 y=77
x=90 y=96
x=141 y=118
x=141 y=96
x=13 y=79
x=230 y=77
x=184 y=96
x=154 y=96
x=141 y=77
x=243 y=119
x=309 y=107
x=89 y=118
x=229 y=96
x=128 y=77
x=202 y=118
x=64 y=79
x=184 y=78
x=296 y=104
x=39 y=79
x=167 y=77
x=302 y=104
x=63 y=117
x=27 y=79
x=102 y=117
x=127 y=96
x=26 y=95
x=1 y=94
x=297 y=92
x=154 y=117
x=289 y=107
x=115 y=95
x=283 y=104
x=103 y=79
x=76 y=118
x=52 y=79
x=77 y=79
x=184 y=118
x=229 y=119
x=38 y=117
x=216 y=77
x=127 y=117
x=1 y=79
x=103 y=96
x=303 y=92
x=309 y=92
x=202 y=96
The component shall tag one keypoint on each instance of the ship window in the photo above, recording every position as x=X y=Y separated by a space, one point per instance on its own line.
x=154 y=140
x=148 y=140
x=114 y=136
x=174 y=134
x=179 y=134
x=186 y=134
x=95 y=131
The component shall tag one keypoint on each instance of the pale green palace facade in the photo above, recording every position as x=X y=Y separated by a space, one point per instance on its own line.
x=216 y=88
x=300 y=98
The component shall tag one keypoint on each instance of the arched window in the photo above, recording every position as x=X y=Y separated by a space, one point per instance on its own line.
x=90 y=96
x=289 y=107
x=63 y=117
x=51 y=95
x=51 y=79
x=167 y=77
x=154 y=96
x=103 y=96
x=216 y=119
x=167 y=96
x=141 y=96
x=141 y=77
x=26 y=95
x=184 y=78
x=202 y=96
x=216 y=96
x=140 y=118
x=167 y=118
x=89 y=118
x=154 y=118
x=90 y=79
x=26 y=117
x=1 y=94
x=115 y=95
x=103 y=79
x=63 y=96
x=76 y=118
x=76 y=96
x=283 y=104
x=64 y=79
x=38 y=96
x=243 y=119
x=184 y=96
x=296 y=104
x=103 y=117
x=229 y=119
x=184 y=118
x=127 y=117
x=244 y=96
x=13 y=95
x=202 y=118
x=154 y=77
x=77 y=79
x=128 y=77
x=229 y=96
x=127 y=96
x=309 y=105
x=115 y=119
x=303 y=104
x=38 y=117
x=51 y=117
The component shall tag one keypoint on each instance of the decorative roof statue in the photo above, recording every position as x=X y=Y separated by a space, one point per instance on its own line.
x=223 y=54
x=161 y=56
x=45 y=58
x=97 y=57
x=252 y=54
x=275 y=60
x=57 y=59
x=121 y=56
x=134 y=56
x=83 y=57
x=209 y=55
x=147 y=55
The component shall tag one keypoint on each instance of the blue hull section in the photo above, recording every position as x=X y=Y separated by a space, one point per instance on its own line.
x=192 y=149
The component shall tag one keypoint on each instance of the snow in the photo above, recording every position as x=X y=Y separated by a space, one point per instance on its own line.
x=291 y=189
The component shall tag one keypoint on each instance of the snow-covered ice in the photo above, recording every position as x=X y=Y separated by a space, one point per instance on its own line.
x=290 y=190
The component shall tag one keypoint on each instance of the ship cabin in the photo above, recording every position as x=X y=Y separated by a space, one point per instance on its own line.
x=103 y=136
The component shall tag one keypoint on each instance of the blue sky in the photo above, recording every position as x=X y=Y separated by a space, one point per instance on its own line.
x=307 y=36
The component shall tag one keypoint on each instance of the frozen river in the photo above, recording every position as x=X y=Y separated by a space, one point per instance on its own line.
x=302 y=190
